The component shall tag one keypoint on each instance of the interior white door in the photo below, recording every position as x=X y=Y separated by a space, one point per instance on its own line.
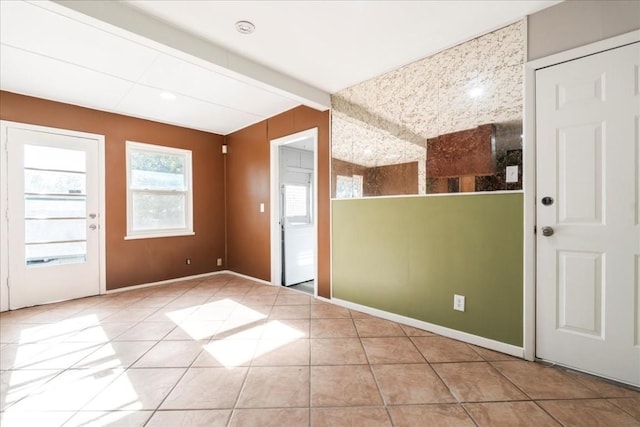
x=53 y=207
x=588 y=211
x=297 y=240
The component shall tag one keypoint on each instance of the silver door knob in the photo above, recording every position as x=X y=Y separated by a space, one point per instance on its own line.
x=93 y=227
x=547 y=231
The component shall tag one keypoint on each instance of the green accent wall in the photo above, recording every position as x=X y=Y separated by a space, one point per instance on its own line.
x=410 y=255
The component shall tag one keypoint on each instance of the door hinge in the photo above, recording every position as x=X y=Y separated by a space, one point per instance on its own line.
x=535 y=229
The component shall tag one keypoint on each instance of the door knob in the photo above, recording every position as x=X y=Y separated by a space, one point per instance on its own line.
x=92 y=216
x=93 y=227
x=547 y=231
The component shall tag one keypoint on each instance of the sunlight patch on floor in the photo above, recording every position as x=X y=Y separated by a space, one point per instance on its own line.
x=45 y=383
x=239 y=333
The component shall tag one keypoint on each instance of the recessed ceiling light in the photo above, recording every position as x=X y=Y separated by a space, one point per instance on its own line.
x=168 y=96
x=476 y=92
x=245 y=27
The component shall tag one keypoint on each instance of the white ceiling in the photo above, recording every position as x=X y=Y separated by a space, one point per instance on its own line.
x=119 y=57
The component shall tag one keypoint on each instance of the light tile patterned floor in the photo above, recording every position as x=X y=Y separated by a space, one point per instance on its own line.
x=227 y=351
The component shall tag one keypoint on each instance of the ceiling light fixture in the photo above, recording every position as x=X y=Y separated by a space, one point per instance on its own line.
x=245 y=27
x=476 y=92
x=168 y=96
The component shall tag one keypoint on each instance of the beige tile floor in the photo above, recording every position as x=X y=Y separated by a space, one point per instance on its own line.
x=227 y=351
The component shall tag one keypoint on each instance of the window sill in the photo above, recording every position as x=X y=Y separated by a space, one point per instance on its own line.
x=159 y=235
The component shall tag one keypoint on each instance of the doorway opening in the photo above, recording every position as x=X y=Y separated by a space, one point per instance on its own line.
x=294 y=211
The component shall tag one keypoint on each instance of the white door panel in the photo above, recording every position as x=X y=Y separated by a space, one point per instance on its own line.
x=298 y=254
x=588 y=300
x=53 y=216
x=297 y=221
x=579 y=169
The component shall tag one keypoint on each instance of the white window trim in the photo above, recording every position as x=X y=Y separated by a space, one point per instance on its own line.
x=174 y=232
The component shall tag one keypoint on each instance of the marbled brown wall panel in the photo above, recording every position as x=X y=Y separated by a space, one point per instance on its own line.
x=391 y=180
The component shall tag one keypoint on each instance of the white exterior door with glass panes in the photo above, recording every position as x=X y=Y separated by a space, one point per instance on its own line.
x=53 y=211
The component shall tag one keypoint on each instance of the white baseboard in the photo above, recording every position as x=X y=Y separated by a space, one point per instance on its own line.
x=437 y=329
x=440 y=330
x=164 y=282
x=181 y=279
x=244 y=276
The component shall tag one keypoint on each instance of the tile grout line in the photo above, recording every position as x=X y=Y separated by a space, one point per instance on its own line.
x=466 y=411
x=234 y=408
x=600 y=396
x=547 y=412
x=309 y=416
x=154 y=411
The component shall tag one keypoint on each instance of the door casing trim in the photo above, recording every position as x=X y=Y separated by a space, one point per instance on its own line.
x=276 y=253
x=529 y=186
x=4 y=243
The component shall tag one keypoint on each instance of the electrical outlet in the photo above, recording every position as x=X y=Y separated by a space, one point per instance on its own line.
x=188 y=261
x=261 y=207
x=458 y=302
x=219 y=262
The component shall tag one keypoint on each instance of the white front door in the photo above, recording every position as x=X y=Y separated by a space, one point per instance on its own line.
x=588 y=211
x=53 y=216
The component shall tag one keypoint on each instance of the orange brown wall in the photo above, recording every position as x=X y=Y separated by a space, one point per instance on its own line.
x=131 y=262
x=248 y=181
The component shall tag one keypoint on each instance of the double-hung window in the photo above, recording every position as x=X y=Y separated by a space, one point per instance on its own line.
x=159 y=191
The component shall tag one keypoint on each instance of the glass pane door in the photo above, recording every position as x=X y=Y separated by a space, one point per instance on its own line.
x=55 y=212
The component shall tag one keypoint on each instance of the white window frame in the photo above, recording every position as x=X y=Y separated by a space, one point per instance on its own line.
x=132 y=146
x=356 y=182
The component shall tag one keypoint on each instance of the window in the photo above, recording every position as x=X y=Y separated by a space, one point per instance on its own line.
x=348 y=187
x=159 y=192
x=297 y=203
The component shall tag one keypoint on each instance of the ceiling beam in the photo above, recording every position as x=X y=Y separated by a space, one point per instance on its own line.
x=128 y=21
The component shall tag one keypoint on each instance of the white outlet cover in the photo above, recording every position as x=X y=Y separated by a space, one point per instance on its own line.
x=512 y=174
x=262 y=207
x=458 y=302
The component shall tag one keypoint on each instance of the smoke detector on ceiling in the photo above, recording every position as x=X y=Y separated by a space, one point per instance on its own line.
x=245 y=27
